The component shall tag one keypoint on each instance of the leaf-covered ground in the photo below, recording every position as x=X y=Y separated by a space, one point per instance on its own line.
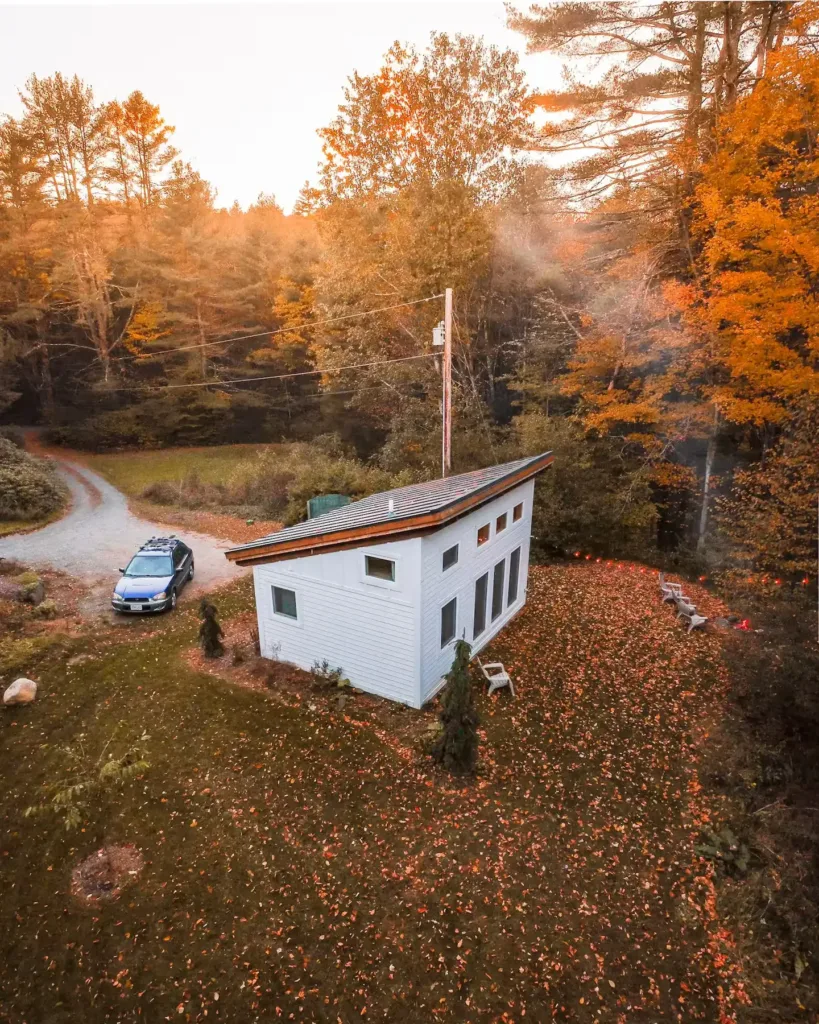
x=303 y=866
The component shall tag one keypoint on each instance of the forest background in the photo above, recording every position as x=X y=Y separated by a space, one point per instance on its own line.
x=645 y=304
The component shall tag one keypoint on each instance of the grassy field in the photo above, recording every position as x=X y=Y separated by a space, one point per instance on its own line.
x=132 y=472
x=308 y=863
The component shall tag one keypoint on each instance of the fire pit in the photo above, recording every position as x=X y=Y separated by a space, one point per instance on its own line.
x=104 y=874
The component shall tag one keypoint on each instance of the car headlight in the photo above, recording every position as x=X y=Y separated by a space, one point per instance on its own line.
x=115 y=596
x=160 y=596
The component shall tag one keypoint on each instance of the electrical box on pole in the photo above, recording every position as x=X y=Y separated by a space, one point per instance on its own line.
x=447 y=386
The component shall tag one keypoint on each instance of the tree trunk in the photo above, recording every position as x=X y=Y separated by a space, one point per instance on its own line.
x=694 y=112
x=203 y=350
x=46 y=386
x=706 y=484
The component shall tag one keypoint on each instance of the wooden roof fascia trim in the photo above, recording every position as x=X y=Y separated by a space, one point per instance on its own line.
x=286 y=556
x=352 y=537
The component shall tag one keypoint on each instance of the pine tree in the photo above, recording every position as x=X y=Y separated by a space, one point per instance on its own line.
x=457 y=746
x=210 y=632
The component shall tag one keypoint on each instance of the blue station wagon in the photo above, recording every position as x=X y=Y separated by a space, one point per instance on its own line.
x=153 y=578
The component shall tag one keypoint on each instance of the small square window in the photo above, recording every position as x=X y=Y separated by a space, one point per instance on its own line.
x=517 y=512
x=483 y=535
x=449 y=615
x=450 y=557
x=380 y=568
x=500 y=523
x=284 y=602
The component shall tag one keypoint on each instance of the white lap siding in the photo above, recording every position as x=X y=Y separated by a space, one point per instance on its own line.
x=367 y=628
x=438 y=586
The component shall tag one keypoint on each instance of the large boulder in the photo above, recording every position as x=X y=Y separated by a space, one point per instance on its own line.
x=21 y=691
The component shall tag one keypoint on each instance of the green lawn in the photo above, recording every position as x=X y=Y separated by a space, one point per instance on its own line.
x=132 y=472
x=303 y=863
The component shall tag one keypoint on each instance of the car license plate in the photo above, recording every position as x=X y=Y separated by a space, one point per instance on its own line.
x=135 y=607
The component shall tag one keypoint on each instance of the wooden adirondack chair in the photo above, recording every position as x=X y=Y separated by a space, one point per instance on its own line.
x=497 y=676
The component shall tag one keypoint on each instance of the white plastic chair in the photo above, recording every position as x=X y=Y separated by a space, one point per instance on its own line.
x=497 y=676
x=671 y=591
x=688 y=613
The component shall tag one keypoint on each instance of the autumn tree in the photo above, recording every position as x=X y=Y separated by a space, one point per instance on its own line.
x=646 y=83
x=449 y=114
x=413 y=162
x=142 y=149
x=66 y=126
x=770 y=516
x=754 y=293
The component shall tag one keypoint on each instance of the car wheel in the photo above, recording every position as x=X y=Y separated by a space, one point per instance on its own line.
x=190 y=571
x=172 y=601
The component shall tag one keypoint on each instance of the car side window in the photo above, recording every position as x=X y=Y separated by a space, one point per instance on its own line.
x=179 y=556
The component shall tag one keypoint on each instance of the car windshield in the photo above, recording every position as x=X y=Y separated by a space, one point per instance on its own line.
x=150 y=565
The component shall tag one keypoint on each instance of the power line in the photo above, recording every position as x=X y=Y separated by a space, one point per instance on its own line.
x=277 y=376
x=351 y=391
x=278 y=330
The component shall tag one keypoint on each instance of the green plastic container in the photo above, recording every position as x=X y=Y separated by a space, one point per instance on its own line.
x=325 y=503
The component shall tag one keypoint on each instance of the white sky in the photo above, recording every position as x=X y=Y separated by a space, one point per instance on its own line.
x=245 y=85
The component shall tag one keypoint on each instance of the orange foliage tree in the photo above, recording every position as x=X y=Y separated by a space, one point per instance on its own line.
x=754 y=296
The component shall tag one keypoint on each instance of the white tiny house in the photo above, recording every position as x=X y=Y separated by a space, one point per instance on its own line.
x=383 y=587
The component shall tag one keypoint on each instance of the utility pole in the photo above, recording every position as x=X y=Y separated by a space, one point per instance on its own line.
x=446 y=405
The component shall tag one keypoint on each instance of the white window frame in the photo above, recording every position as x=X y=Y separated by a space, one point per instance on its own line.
x=374 y=581
x=518 y=588
x=457 y=547
x=522 y=506
x=280 y=616
x=506 y=516
x=488 y=540
x=486 y=599
x=454 y=636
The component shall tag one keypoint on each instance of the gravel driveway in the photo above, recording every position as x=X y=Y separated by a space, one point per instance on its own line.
x=99 y=534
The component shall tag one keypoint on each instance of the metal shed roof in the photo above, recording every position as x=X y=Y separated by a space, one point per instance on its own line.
x=403 y=510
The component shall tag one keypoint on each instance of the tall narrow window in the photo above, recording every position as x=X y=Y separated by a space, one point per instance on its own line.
x=449 y=616
x=517 y=512
x=284 y=602
x=497 y=590
x=483 y=535
x=500 y=523
x=514 y=572
x=479 y=620
x=450 y=557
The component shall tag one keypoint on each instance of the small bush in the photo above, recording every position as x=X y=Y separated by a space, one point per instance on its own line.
x=15 y=435
x=28 y=487
x=327 y=676
x=189 y=492
x=45 y=610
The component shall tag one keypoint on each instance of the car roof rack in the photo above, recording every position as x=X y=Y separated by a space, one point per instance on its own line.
x=160 y=543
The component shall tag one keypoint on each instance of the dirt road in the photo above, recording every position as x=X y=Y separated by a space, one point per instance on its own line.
x=99 y=534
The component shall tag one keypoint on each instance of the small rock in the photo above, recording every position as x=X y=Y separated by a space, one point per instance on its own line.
x=21 y=691
x=34 y=594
